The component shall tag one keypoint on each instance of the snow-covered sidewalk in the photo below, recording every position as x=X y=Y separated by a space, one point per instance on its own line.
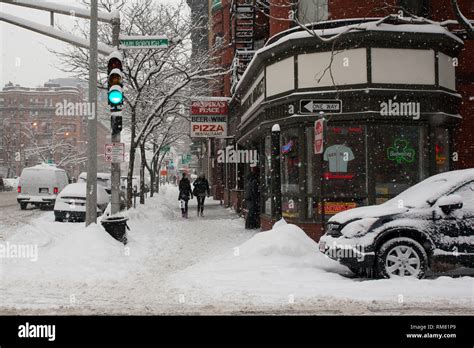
x=209 y=265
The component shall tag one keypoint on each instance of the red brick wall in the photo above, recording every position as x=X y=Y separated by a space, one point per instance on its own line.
x=279 y=12
x=340 y=9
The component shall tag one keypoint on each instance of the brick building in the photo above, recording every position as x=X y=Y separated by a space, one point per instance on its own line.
x=34 y=130
x=275 y=64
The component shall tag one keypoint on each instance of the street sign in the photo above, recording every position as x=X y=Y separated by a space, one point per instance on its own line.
x=319 y=136
x=115 y=153
x=311 y=106
x=209 y=119
x=137 y=42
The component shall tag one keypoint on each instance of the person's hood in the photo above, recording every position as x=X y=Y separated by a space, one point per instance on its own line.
x=371 y=211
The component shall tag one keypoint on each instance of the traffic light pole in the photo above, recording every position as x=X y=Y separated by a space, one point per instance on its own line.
x=91 y=197
x=115 y=167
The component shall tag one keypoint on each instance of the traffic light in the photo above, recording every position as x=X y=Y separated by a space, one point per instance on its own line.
x=115 y=94
x=115 y=81
x=116 y=124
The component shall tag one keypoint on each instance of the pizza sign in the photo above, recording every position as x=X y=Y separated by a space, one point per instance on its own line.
x=209 y=119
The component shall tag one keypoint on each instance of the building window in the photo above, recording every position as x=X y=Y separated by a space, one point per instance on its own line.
x=344 y=169
x=441 y=150
x=267 y=176
x=399 y=159
x=290 y=173
x=311 y=11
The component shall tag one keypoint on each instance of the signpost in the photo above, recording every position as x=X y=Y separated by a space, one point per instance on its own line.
x=209 y=119
x=311 y=106
x=138 y=42
x=115 y=153
x=319 y=136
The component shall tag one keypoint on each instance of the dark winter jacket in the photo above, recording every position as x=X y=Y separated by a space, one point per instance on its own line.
x=201 y=187
x=251 y=189
x=184 y=189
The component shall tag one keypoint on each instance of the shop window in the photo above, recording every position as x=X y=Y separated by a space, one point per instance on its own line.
x=290 y=161
x=267 y=176
x=441 y=150
x=311 y=11
x=344 y=169
x=399 y=159
x=290 y=173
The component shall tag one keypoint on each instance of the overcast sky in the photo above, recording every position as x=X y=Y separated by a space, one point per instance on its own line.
x=24 y=58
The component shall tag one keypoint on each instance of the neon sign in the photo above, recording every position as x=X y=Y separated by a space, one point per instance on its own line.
x=287 y=148
x=401 y=152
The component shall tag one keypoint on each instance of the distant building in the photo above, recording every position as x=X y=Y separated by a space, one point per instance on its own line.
x=39 y=124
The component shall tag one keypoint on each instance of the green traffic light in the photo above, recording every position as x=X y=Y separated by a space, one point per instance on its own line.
x=115 y=97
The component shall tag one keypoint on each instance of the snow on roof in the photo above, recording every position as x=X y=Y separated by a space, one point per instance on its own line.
x=368 y=26
x=45 y=166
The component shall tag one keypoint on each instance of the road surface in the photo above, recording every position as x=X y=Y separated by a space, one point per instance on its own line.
x=11 y=216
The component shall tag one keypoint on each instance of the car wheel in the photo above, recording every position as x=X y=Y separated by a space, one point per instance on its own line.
x=402 y=257
x=23 y=206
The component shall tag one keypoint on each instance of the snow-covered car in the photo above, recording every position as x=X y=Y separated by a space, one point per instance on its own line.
x=430 y=226
x=71 y=202
x=103 y=179
x=40 y=185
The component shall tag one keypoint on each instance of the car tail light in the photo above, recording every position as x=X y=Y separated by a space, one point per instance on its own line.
x=19 y=189
x=56 y=191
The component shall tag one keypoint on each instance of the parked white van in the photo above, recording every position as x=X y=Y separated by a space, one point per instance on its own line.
x=40 y=185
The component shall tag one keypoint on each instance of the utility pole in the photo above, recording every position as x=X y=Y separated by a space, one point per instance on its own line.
x=91 y=198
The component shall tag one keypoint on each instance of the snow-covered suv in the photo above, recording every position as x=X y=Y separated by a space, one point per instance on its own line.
x=430 y=226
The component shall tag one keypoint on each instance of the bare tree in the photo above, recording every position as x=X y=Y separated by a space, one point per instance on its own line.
x=153 y=78
x=57 y=146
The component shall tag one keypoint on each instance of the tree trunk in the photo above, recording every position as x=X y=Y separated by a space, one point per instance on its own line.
x=133 y=147
x=130 y=177
x=152 y=172
x=142 y=173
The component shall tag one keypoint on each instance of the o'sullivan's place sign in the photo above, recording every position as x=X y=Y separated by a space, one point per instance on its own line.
x=209 y=119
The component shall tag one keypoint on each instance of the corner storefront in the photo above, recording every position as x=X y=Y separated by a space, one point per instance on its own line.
x=387 y=94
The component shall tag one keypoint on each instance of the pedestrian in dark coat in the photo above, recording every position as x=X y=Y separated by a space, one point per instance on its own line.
x=252 y=201
x=201 y=189
x=185 y=194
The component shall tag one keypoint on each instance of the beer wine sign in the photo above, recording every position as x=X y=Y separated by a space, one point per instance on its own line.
x=209 y=119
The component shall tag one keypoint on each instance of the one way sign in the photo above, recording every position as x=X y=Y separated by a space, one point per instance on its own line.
x=311 y=106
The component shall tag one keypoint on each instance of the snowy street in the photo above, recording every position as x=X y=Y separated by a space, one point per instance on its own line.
x=12 y=216
x=205 y=265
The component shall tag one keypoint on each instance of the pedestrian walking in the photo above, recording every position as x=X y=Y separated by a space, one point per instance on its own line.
x=185 y=194
x=201 y=188
x=252 y=201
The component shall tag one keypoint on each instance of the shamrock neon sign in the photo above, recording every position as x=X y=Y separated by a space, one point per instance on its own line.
x=401 y=152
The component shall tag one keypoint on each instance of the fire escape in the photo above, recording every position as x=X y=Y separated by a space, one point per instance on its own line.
x=243 y=32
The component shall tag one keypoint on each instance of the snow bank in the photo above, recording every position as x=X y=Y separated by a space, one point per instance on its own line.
x=286 y=240
x=284 y=265
x=65 y=252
